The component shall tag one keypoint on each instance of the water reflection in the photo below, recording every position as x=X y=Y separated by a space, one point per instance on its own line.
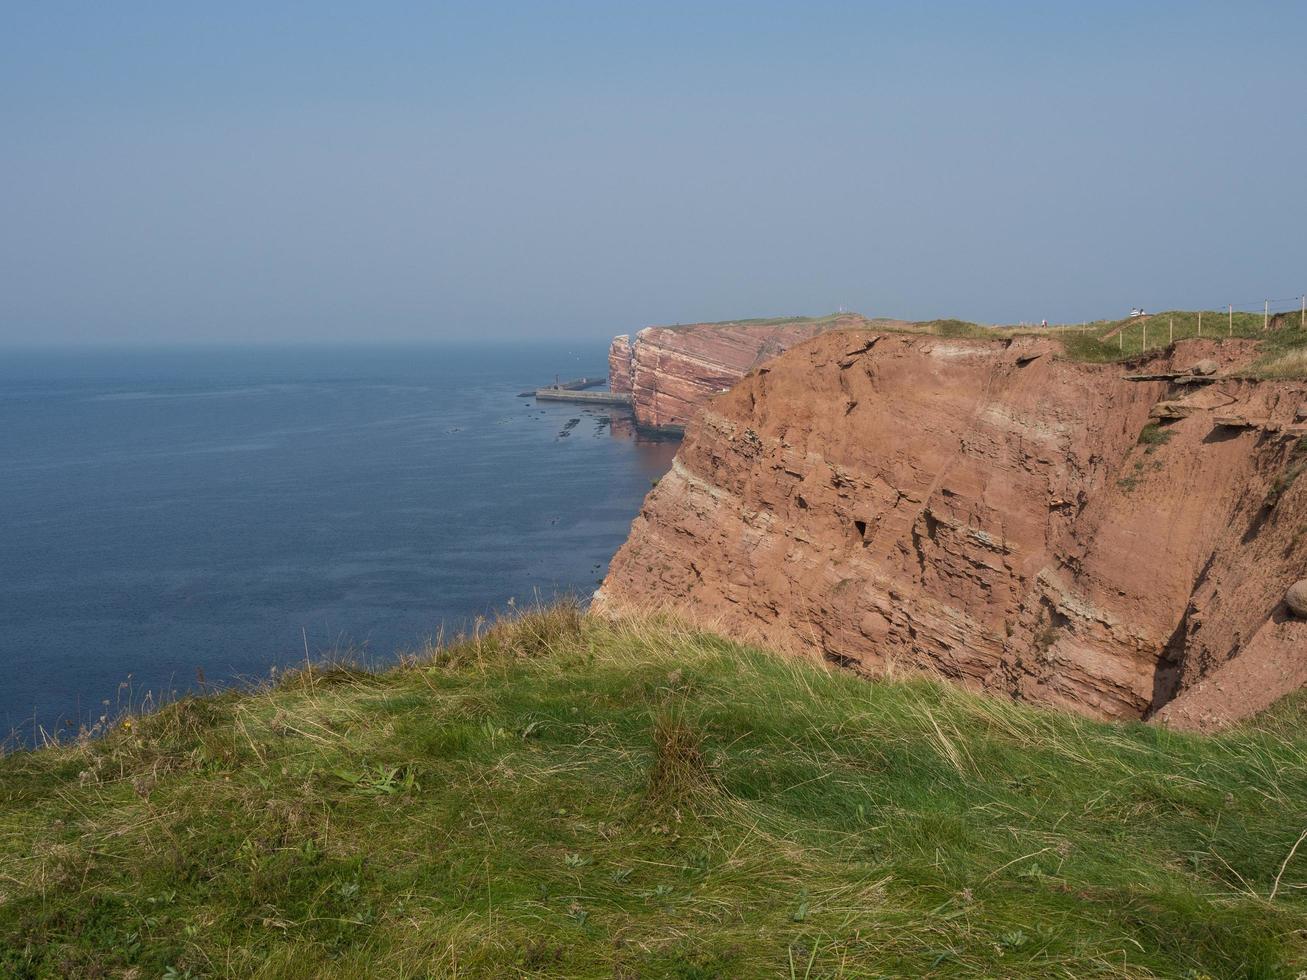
x=654 y=453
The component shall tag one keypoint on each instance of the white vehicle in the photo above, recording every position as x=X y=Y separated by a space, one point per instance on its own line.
x=1137 y=312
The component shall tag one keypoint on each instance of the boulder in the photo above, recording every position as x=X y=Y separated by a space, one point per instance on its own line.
x=1296 y=598
x=1205 y=367
x=1237 y=422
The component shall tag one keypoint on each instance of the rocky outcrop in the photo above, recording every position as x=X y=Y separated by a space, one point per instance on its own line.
x=619 y=364
x=994 y=514
x=671 y=371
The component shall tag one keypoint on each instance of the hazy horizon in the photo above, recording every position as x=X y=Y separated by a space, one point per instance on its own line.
x=326 y=174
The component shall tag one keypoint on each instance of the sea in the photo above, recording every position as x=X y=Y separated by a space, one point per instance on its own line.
x=182 y=519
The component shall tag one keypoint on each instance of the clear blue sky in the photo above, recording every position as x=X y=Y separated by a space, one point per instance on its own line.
x=335 y=171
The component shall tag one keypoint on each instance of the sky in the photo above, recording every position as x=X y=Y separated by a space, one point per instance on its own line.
x=336 y=172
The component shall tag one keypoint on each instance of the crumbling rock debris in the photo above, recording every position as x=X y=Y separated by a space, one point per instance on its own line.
x=1205 y=367
x=1230 y=421
x=1168 y=411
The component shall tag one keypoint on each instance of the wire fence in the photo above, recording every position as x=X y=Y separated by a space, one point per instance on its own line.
x=1142 y=331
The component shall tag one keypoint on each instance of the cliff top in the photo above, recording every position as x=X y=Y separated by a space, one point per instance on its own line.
x=1281 y=347
x=778 y=321
x=567 y=796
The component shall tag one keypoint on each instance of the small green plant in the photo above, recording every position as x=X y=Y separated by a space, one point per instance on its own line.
x=800 y=913
x=381 y=780
x=348 y=891
x=1012 y=940
x=532 y=729
x=1130 y=482
x=1153 y=435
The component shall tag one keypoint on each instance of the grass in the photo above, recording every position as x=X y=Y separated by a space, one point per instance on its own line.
x=1289 y=364
x=1153 y=435
x=1281 y=350
x=770 y=321
x=563 y=796
x=1294 y=467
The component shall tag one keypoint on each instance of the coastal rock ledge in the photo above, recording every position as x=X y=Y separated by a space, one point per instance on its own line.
x=984 y=511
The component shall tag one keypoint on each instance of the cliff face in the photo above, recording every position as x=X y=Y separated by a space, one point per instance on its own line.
x=619 y=364
x=671 y=371
x=987 y=511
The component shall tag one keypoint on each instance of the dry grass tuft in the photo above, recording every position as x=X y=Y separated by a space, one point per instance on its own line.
x=333 y=673
x=679 y=774
x=1290 y=364
x=543 y=630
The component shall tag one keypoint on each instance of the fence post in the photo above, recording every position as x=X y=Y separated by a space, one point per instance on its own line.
x=1200 y=323
x=1231 y=319
x=1266 y=314
x=1144 y=343
x=1171 y=328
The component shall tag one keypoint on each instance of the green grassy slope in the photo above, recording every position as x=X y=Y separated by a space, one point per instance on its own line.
x=1282 y=349
x=1114 y=340
x=567 y=797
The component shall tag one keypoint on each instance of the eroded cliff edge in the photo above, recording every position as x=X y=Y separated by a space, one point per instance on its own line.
x=671 y=371
x=987 y=510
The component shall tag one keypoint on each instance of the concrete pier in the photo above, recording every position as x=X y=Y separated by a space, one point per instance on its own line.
x=574 y=385
x=590 y=397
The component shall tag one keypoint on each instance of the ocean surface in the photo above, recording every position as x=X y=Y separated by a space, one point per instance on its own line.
x=176 y=515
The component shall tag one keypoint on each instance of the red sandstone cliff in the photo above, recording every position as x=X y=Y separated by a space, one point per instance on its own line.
x=619 y=364
x=985 y=511
x=671 y=371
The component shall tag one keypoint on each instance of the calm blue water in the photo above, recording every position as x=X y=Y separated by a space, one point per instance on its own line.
x=163 y=512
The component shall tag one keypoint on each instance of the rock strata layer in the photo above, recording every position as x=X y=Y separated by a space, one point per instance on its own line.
x=994 y=514
x=671 y=371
